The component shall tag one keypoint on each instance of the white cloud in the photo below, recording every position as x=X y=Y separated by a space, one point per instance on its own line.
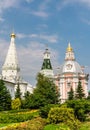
x=29 y=1
x=33 y=36
x=21 y=35
x=44 y=5
x=42 y=9
x=64 y=3
x=42 y=26
x=1 y=19
x=5 y=4
x=49 y=38
x=45 y=37
x=40 y=13
x=3 y=50
x=87 y=21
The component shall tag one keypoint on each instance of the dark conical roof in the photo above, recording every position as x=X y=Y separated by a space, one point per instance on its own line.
x=46 y=64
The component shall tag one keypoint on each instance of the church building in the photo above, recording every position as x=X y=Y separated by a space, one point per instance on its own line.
x=70 y=73
x=11 y=71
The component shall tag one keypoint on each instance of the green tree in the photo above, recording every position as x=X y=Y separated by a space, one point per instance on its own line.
x=88 y=95
x=5 y=97
x=18 y=92
x=26 y=100
x=71 y=94
x=45 y=92
x=81 y=108
x=79 y=91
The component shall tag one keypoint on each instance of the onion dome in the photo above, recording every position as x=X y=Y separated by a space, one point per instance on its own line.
x=70 y=65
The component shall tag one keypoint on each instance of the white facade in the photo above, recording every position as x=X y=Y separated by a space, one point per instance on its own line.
x=11 y=71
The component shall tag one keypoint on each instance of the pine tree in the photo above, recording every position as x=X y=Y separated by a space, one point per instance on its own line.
x=26 y=100
x=71 y=94
x=5 y=97
x=79 y=91
x=18 y=92
x=44 y=93
x=88 y=95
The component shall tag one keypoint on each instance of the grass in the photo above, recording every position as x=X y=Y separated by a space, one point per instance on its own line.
x=56 y=127
x=85 y=126
x=2 y=125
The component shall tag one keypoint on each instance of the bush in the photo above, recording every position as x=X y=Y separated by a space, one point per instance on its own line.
x=43 y=111
x=34 y=124
x=63 y=115
x=17 y=117
x=16 y=103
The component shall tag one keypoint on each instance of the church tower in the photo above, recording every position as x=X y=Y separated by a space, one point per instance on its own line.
x=10 y=69
x=47 y=69
x=69 y=53
x=70 y=73
x=11 y=72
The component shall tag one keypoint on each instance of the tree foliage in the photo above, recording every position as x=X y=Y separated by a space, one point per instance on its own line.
x=71 y=94
x=5 y=97
x=88 y=95
x=81 y=108
x=79 y=91
x=18 y=92
x=26 y=100
x=44 y=93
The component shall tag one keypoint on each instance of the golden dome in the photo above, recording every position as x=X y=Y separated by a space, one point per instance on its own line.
x=69 y=48
x=13 y=35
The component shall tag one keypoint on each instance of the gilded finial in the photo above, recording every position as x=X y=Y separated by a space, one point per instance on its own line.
x=13 y=34
x=69 y=48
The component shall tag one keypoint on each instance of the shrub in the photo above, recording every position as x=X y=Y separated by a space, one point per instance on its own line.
x=63 y=115
x=17 y=117
x=16 y=103
x=34 y=124
x=43 y=111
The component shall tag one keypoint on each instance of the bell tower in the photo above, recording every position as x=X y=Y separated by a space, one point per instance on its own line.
x=10 y=69
x=46 y=68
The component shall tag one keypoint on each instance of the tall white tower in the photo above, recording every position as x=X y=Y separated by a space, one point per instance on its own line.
x=10 y=69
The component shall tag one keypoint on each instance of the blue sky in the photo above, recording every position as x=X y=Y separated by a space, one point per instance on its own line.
x=41 y=22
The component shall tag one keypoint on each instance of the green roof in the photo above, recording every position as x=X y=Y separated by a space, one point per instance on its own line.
x=46 y=64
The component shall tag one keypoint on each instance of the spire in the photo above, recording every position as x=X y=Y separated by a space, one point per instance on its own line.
x=46 y=63
x=46 y=66
x=69 y=48
x=69 y=53
x=10 y=69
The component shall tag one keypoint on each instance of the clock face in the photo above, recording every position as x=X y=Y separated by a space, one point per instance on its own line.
x=69 y=66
